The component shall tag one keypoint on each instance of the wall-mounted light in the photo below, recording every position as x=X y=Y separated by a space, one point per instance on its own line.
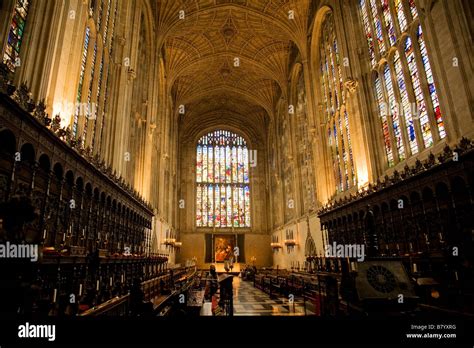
x=275 y=244
x=290 y=240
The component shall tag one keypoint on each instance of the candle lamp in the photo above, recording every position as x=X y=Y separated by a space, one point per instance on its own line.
x=290 y=241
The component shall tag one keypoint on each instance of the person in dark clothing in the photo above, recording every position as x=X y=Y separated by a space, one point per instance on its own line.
x=211 y=283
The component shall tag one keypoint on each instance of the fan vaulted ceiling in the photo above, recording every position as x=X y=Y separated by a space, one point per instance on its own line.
x=200 y=53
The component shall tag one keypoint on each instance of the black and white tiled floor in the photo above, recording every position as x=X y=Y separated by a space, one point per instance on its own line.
x=250 y=301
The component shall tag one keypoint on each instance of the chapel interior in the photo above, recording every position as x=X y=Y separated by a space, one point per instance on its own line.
x=317 y=153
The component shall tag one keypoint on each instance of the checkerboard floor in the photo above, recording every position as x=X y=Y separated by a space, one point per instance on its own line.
x=250 y=301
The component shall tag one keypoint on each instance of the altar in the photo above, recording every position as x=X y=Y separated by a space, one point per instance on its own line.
x=220 y=268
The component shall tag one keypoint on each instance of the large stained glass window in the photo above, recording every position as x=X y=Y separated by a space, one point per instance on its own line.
x=11 y=54
x=222 y=181
x=108 y=38
x=368 y=32
x=404 y=84
x=405 y=104
x=89 y=108
x=402 y=19
x=305 y=158
x=377 y=25
x=336 y=116
x=90 y=112
x=389 y=27
x=420 y=100
x=393 y=108
x=383 y=115
x=431 y=83
x=85 y=52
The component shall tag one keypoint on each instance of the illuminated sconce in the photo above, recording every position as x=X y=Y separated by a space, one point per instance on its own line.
x=275 y=244
x=169 y=241
x=290 y=241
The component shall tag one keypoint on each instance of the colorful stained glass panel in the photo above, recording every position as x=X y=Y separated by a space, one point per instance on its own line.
x=11 y=54
x=222 y=170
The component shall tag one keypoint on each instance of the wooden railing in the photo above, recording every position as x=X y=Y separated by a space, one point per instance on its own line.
x=159 y=292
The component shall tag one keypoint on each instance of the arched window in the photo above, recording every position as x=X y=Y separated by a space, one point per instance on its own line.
x=383 y=115
x=92 y=99
x=405 y=107
x=90 y=110
x=222 y=181
x=405 y=83
x=109 y=35
x=431 y=83
x=377 y=26
x=11 y=53
x=393 y=111
x=85 y=52
x=335 y=113
x=305 y=158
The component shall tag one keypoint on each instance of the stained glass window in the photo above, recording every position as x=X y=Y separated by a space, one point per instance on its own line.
x=108 y=33
x=413 y=9
x=412 y=90
x=304 y=155
x=402 y=20
x=11 y=54
x=383 y=116
x=422 y=113
x=85 y=51
x=393 y=108
x=94 y=104
x=99 y=91
x=389 y=27
x=90 y=109
x=377 y=26
x=112 y=29
x=222 y=179
x=368 y=31
x=99 y=16
x=431 y=84
x=405 y=104
x=338 y=134
x=106 y=24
